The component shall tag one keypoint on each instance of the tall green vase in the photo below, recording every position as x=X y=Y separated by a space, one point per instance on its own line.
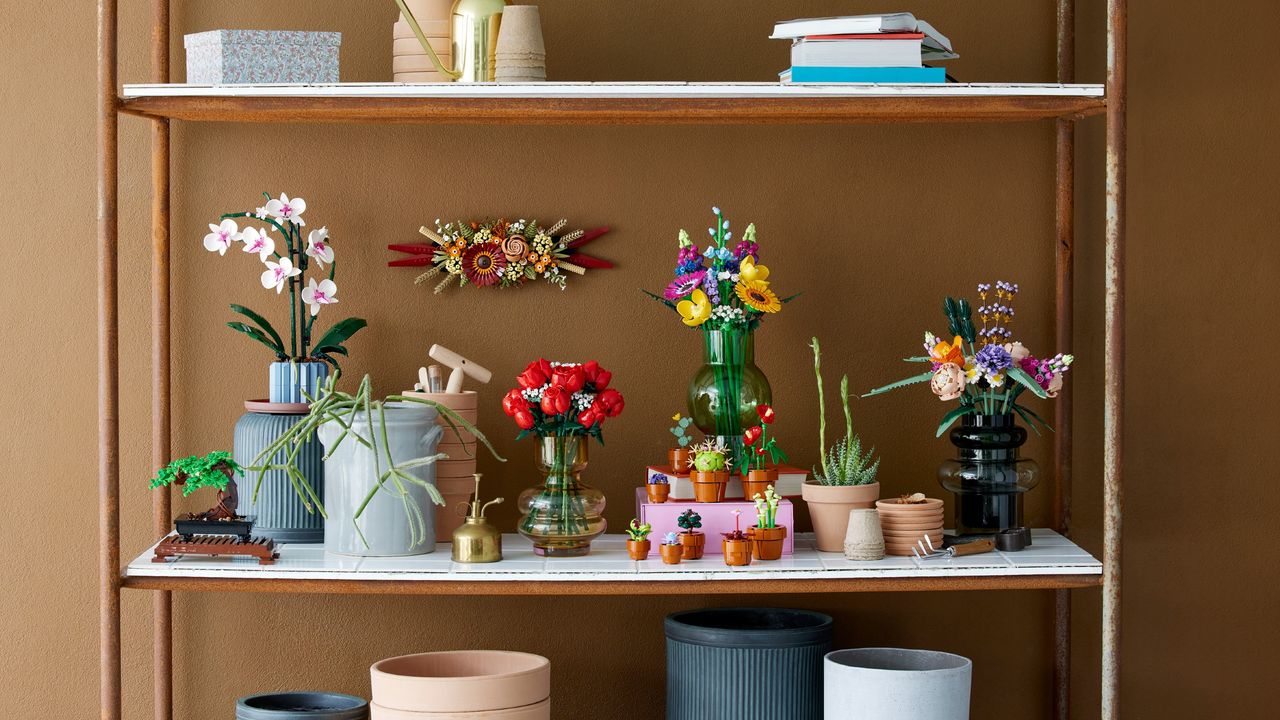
x=725 y=391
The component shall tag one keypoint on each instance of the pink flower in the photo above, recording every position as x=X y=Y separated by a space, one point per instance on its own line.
x=1017 y=351
x=948 y=382
x=685 y=285
x=221 y=237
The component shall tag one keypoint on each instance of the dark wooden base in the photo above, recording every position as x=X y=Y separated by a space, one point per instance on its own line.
x=215 y=545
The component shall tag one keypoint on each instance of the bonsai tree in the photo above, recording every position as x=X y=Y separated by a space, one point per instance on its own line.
x=844 y=463
x=689 y=521
x=216 y=470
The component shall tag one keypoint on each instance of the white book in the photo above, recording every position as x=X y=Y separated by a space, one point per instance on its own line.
x=856 y=53
x=790 y=482
x=864 y=25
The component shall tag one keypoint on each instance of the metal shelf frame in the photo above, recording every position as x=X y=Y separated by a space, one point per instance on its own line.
x=110 y=106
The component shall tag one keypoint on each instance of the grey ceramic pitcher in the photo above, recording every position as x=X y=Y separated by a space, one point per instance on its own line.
x=351 y=472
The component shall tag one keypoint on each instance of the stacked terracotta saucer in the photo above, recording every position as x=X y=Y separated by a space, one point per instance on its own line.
x=410 y=63
x=907 y=520
x=521 y=54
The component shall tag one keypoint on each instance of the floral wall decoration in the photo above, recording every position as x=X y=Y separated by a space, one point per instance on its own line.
x=501 y=253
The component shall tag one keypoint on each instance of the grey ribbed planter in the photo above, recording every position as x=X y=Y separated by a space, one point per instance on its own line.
x=302 y=706
x=746 y=664
x=280 y=514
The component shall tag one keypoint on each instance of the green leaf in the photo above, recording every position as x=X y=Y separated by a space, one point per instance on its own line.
x=339 y=333
x=950 y=418
x=263 y=324
x=1028 y=382
x=918 y=359
x=1032 y=413
x=660 y=299
x=923 y=377
x=1026 y=419
x=258 y=335
x=326 y=349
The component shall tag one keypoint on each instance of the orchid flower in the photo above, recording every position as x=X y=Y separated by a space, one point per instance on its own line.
x=318 y=246
x=316 y=295
x=258 y=241
x=221 y=237
x=286 y=209
x=277 y=274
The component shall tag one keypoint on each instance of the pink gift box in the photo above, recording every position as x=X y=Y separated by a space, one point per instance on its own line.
x=717 y=518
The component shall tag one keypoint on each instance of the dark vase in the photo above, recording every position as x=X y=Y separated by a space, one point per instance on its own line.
x=987 y=475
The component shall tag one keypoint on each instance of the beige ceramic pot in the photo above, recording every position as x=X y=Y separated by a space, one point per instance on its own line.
x=464 y=681
x=537 y=711
x=829 y=507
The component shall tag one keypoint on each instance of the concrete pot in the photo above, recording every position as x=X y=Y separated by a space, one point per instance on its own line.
x=464 y=681
x=351 y=472
x=278 y=511
x=879 y=683
x=302 y=706
x=829 y=507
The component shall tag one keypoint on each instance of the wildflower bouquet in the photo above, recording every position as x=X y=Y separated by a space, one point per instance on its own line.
x=286 y=259
x=985 y=369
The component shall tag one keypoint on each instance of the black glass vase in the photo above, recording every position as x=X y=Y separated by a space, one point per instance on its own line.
x=987 y=476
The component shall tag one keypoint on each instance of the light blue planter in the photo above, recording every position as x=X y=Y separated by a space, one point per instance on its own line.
x=290 y=379
x=280 y=515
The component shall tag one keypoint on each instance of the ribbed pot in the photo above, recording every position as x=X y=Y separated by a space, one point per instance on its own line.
x=746 y=664
x=280 y=514
x=288 y=380
x=302 y=706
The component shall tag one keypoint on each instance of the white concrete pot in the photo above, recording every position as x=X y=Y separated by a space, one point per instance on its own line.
x=896 y=684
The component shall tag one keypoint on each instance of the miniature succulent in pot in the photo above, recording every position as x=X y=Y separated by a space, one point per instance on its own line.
x=711 y=457
x=671 y=538
x=639 y=531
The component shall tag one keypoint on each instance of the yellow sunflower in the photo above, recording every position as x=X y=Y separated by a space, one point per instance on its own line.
x=757 y=295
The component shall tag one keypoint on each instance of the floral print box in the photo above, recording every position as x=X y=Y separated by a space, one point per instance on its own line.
x=226 y=57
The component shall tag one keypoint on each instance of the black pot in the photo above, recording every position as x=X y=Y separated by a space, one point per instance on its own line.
x=302 y=706
x=988 y=477
x=746 y=664
x=190 y=527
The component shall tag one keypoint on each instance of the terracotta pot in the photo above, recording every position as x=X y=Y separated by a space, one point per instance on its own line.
x=757 y=481
x=638 y=549
x=693 y=543
x=680 y=459
x=537 y=711
x=829 y=506
x=737 y=553
x=671 y=554
x=658 y=492
x=462 y=681
x=708 y=487
x=766 y=543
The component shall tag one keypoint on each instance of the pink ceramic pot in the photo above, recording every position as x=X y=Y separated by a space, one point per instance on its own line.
x=464 y=681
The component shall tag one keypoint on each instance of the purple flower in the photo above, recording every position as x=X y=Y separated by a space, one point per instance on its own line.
x=993 y=359
x=684 y=285
x=745 y=248
x=711 y=286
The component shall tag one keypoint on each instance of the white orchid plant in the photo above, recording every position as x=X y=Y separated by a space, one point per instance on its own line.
x=287 y=258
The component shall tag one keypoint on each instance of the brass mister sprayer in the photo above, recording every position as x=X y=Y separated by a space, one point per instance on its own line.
x=476 y=541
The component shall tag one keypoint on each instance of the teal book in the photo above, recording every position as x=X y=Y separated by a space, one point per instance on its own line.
x=865 y=75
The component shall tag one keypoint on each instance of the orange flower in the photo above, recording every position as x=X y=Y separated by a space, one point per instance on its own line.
x=948 y=352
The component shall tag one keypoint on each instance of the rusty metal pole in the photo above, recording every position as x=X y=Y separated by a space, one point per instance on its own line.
x=1064 y=254
x=161 y=510
x=1113 y=408
x=108 y=372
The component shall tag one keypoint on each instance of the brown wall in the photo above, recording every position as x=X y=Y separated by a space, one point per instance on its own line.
x=873 y=224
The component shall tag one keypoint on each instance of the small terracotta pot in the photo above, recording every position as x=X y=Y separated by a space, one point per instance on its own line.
x=639 y=549
x=658 y=492
x=693 y=543
x=737 y=553
x=757 y=481
x=829 y=507
x=671 y=554
x=680 y=459
x=766 y=543
x=708 y=487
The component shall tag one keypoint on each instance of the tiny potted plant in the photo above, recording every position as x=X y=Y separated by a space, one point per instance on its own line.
x=758 y=444
x=659 y=487
x=681 y=457
x=671 y=549
x=736 y=545
x=710 y=472
x=216 y=470
x=766 y=535
x=638 y=544
x=691 y=539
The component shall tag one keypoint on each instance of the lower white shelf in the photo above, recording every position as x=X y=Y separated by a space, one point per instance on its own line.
x=1051 y=555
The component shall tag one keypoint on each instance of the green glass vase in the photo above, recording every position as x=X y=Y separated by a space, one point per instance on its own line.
x=563 y=515
x=725 y=391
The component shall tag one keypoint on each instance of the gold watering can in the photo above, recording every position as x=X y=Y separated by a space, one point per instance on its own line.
x=476 y=541
x=475 y=39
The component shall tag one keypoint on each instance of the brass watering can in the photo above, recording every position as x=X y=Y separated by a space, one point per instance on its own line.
x=476 y=541
x=475 y=28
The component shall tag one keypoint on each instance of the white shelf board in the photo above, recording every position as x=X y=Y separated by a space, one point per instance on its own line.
x=569 y=90
x=1050 y=554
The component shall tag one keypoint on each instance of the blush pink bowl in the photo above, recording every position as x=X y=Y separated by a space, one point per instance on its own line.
x=537 y=711
x=463 y=681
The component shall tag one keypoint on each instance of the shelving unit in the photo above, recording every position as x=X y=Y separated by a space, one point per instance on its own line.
x=569 y=104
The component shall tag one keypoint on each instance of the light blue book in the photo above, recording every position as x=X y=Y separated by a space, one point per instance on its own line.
x=864 y=75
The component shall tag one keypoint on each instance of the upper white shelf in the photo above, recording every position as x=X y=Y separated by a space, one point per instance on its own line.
x=614 y=102
x=1052 y=561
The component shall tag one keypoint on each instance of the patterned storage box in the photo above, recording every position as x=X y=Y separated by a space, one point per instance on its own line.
x=225 y=57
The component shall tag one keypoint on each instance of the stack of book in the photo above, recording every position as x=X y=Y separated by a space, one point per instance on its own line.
x=864 y=49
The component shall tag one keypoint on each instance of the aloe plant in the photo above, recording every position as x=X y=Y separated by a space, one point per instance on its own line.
x=844 y=463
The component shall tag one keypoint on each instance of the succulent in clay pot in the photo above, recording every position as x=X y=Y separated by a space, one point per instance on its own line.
x=672 y=550
x=710 y=472
x=693 y=541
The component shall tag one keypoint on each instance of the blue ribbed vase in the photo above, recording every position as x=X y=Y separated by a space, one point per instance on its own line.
x=746 y=664
x=280 y=514
x=289 y=380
